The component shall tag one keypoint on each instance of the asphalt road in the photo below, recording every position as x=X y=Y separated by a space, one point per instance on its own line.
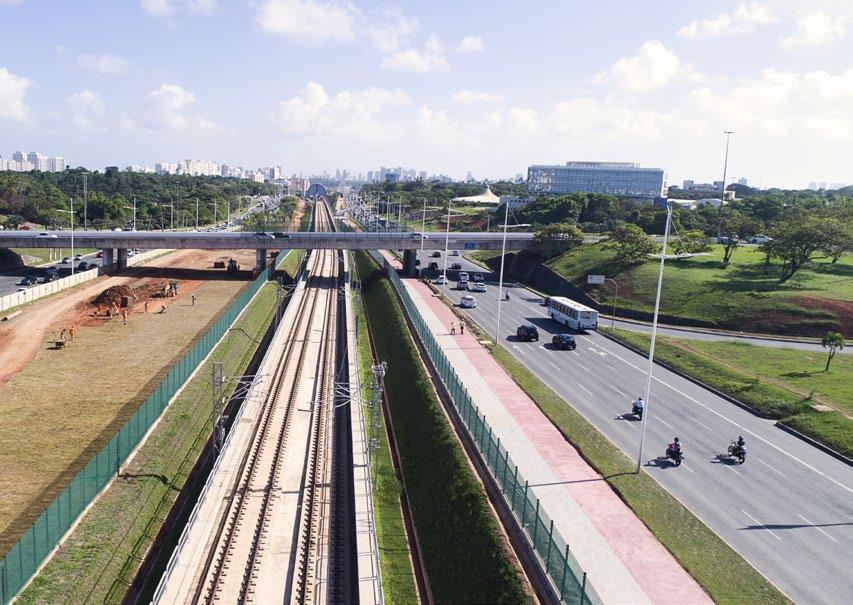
x=10 y=281
x=788 y=510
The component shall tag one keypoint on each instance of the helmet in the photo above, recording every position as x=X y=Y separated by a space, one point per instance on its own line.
x=740 y=436
x=676 y=439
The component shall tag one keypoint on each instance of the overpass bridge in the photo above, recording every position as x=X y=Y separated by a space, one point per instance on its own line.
x=115 y=244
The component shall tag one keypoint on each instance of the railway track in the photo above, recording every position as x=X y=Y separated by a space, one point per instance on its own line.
x=277 y=537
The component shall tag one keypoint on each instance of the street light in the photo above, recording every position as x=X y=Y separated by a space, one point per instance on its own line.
x=501 y=276
x=85 y=200
x=171 y=215
x=134 y=212
x=446 y=241
x=728 y=134
x=71 y=212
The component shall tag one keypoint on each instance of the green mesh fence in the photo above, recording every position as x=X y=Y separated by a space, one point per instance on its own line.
x=557 y=560
x=21 y=562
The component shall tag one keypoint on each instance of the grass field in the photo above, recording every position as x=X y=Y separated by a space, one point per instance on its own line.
x=776 y=382
x=100 y=558
x=43 y=254
x=64 y=405
x=723 y=573
x=745 y=295
x=465 y=556
x=398 y=582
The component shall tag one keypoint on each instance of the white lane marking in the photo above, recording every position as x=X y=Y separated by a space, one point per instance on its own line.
x=744 y=429
x=549 y=351
x=816 y=527
x=734 y=469
x=664 y=422
x=761 y=524
x=697 y=421
x=554 y=365
x=581 y=366
x=617 y=390
x=584 y=388
x=611 y=366
x=772 y=468
x=688 y=468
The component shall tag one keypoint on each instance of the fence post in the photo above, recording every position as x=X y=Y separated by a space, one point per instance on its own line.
x=506 y=464
x=535 y=523
x=550 y=542
x=583 y=589
x=565 y=567
x=524 y=508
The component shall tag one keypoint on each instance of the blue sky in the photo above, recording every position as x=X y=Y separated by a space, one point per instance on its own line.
x=489 y=87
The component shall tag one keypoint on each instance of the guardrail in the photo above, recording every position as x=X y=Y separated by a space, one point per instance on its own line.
x=569 y=580
x=25 y=557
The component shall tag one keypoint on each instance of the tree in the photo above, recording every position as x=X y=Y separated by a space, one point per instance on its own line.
x=632 y=245
x=691 y=242
x=837 y=239
x=834 y=341
x=795 y=242
x=556 y=239
x=734 y=227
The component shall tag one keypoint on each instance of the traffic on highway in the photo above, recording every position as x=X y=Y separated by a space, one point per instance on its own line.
x=787 y=509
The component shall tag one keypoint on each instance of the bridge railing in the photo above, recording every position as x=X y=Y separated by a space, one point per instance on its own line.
x=28 y=553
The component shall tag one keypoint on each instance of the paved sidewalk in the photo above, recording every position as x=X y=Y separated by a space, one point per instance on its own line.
x=624 y=561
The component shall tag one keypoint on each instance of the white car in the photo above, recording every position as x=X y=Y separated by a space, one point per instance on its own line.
x=479 y=287
x=417 y=235
x=440 y=280
x=760 y=239
x=468 y=302
x=454 y=253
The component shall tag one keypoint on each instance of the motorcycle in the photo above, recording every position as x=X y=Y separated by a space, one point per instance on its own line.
x=637 y=411
x=674 y=455
x=737 y=451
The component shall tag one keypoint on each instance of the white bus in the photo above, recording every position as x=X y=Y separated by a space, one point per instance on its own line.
x=572 y=314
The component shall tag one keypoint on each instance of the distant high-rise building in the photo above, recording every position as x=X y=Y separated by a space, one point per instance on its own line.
x=56 y=164
x=422 y=175
x=19 y=156
x=38 y=161
x=614 y=178
x=687 y=185
x=742 y=181
x=469 y=177
x=165 y=168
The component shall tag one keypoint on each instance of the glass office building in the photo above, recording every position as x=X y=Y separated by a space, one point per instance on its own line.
x=616 y=178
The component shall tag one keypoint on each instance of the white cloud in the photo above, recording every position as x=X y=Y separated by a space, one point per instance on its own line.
x=391 y=33
x=743 y=21
x=157 y=8
x=12 y=91
x=518 y=122
x=103 y=64
x=84 y=106
x=348 y=114
x=653 y=66
x=470 y=97
x=435 y=128
x=431 y=58
x=308 y=22
x=471 y=44
x=585 y=117
x=816 y=29
x=168 y=112
x=203 y=7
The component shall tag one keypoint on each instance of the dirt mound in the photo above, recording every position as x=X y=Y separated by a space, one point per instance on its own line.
x=116 y=295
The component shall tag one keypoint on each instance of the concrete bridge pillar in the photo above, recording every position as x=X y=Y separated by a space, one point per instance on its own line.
x=260 y=259
x=409 y=258
x=121 y=261
x=108 y=258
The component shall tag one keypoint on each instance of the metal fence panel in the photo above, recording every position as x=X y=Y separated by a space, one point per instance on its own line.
x=557 y=560
x=22 y=560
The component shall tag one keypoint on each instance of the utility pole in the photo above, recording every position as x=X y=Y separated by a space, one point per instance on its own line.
x=375 y=414
x=217 y=380
x=728 y=134
x=196 y=214
x=85 y=200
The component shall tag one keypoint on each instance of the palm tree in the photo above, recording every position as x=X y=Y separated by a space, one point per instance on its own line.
x=833 y=341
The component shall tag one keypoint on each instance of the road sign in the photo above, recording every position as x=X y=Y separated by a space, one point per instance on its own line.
x=595 y=279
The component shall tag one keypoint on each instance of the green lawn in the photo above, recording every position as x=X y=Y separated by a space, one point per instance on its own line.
x=100 y=558
x=745 y=295
x=398 y=582
x=43 y=254
x=466 y=558
x=741 y=376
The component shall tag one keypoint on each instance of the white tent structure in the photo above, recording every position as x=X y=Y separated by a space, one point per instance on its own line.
x=486 y=197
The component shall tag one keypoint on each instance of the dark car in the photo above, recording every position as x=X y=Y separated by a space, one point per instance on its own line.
x=433 y=266
x=28 y=280
x=564 y=342
x=479 y=277
x=436 y=254
x=83 y=266
x=456 y=266
x=280 y=235
x=50 y=277
x=262 y=235
x=527 y=332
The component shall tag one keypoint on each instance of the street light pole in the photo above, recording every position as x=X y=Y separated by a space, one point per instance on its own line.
x=85 y=200
x=652 y=339
x=196 y=214
x=728 y=134
x=615 y=298
x=71 y=212
x=446 y=242
x=501 y=277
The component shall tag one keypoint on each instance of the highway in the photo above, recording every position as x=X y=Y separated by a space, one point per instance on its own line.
x=788 y=510
x=11 y=281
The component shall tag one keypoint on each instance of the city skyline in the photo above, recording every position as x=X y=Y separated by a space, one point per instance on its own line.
x=450 y=88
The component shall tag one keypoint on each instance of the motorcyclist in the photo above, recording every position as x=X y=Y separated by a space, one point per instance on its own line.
x=506 y=295
x=639 y=405
x=675 y=446
x=740 y=445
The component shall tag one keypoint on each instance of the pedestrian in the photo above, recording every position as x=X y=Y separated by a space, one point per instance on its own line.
x=162 y=309
x=147 y=302
x=62 y=334
x=72 y=331
x=193 y=298
x=453 y=328
x=462 y=328
x=124 y=316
